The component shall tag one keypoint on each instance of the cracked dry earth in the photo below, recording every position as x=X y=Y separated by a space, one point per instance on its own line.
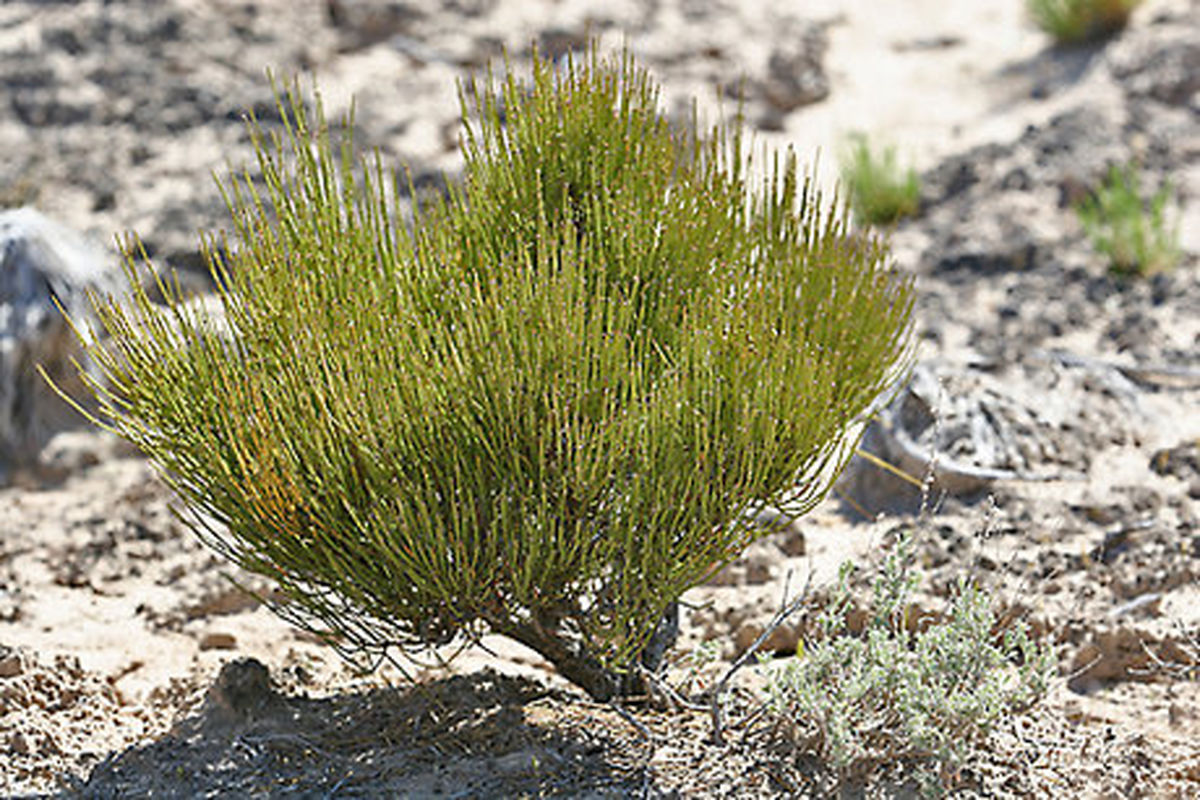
x=1054 y=408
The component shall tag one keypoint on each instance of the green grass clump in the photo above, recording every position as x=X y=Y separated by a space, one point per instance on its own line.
x=539 y=407
x=1078 y=21
x=880 y=191
x=896 y=692
x=1132 y=234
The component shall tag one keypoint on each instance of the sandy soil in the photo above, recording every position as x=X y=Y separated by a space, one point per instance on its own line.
x=115 y=623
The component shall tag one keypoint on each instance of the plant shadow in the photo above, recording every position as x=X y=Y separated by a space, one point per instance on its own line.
x=1050 y=70
x=465 y=736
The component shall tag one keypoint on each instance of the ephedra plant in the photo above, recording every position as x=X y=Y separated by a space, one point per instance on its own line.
x=544 y=406
x=1074 y=22
x=1132 y=233
x=881 y=192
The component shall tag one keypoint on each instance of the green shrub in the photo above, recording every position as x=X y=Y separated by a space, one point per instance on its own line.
x=880 y=191
x=541 y=406
x=898 y=692
x=1133 y=235
x=1078 y=21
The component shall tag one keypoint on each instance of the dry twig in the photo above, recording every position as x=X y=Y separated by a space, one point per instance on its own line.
x=786 y=609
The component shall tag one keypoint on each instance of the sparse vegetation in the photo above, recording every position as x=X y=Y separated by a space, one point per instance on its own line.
x=1078 y=21
x=880 y=191
x=1133 y=234
x=905 y=688
x=542 y=409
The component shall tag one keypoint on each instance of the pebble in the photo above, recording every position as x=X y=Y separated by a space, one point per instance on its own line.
x=10 y=664
x=218 y=641
x=19 y=743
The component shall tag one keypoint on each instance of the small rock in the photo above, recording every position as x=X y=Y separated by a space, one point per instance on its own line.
x=730 y=576
x=19 y=743
x=218 y=641
x=225 y=600
x=1100 y=513
x=759 y=568
x=49 y=745
x=363 y=23
x=13 y=697
x=242 y=688
x=1181 y=461
x=755 y=567
x=10 y=663
x=785 y=533
x=791 y=541
x=746 y=636
x=783 y=639
x=796 y=71
x=555 y=43
x=1143 y=500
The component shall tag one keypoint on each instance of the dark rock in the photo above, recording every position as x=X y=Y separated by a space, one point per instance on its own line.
x=1181 y=461
x=1132 y=331
x=425 y=184
x=974 y=254
x=242 y=689
x=1161 y=64
x=1073 y=151
x=1162 y=288
x=772 y=119
x=363 y=23
x=1017 y=181
x=557 y=43
x=796 y=71
x=792 y=542
x=956 y=175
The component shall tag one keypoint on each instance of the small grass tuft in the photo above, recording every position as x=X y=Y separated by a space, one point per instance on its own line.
x=1134 y=235
x=1073 y=22
x=896 y=692
x=880 y=191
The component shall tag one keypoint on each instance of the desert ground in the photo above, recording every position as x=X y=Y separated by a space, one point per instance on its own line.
x=1053 y=408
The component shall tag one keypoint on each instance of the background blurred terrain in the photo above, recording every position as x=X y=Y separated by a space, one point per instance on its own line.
x=1062 y=401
